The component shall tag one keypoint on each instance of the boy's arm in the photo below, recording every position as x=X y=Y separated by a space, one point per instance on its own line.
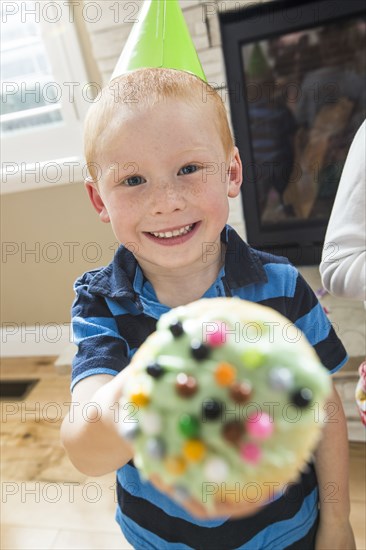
x=89 y=432
x=331 y=464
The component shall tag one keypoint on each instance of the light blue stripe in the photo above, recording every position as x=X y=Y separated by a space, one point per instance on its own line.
x=283 y=533
x=94 y=326
x=131 y=481
x=116 y=308
x=315 y=325
x=282 y=284
x=138 y=280
x=91 y=372
x=217 y=289
x=152 y=307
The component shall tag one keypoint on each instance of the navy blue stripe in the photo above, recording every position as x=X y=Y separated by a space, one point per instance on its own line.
x=315 y=325
x=100 y=352
x=89 y=305
x=130 y=479
x=135 y=330
x=282 y=305
x=332 y=357
x=142 y=539
x=231 y=534
x=307 y=542
x=304 y=300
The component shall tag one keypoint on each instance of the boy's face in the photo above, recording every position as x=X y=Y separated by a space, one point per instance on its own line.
x=165 y=182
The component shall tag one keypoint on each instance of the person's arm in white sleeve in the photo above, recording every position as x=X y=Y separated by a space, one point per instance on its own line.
x=343 y=264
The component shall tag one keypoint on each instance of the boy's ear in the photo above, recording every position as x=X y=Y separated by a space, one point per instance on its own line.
x=96 y=200
x=235 y=174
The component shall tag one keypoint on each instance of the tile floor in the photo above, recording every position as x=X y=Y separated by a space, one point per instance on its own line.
x=46 y=503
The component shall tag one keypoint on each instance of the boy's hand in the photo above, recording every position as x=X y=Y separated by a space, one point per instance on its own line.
x=335 y=535
x=196 y=508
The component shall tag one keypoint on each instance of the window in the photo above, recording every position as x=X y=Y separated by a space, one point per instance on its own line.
x=44 y=95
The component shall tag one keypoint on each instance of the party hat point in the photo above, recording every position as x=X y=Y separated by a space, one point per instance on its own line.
x=258 y=65
x=160 y=38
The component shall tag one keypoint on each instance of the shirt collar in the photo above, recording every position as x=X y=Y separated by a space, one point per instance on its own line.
x=116 y=280
x=243 y=267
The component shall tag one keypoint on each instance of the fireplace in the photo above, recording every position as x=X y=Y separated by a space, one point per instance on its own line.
x=296 y=84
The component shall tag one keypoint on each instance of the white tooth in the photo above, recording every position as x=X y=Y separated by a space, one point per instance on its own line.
x=175 y=233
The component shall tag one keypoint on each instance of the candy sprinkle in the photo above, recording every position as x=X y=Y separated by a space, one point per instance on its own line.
x=260 y=426
x=211 y=409
x=233 y=431
x=189 y=425
x=225 y=374
x=216 y=469
x=252 y=358
x=176 y=329
x=302 y=398
x=250 y=452
x=139 y=398
x=155 y=447
x=185 y=385
x=155 y=370
x=199 y=350
x=194 y=450
x=175 y=465
x=151 y=422
x=218 y=336
x=240 y=392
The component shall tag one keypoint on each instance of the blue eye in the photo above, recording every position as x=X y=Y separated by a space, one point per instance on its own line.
x=189 y=169
x=133 y=181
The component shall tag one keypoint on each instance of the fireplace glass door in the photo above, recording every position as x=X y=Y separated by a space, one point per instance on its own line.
x=296 y=81
x=306 y=100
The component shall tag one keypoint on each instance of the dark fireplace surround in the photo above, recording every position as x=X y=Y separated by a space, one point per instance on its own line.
x=295 y=76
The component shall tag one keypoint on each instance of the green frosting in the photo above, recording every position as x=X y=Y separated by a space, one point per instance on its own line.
x=188 y=423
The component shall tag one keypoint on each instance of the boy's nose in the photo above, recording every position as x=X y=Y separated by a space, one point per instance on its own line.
x=167 y=198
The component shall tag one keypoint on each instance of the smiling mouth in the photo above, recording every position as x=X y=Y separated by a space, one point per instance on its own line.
x=174 y=233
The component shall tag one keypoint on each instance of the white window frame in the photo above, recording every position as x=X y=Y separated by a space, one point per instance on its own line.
x=53 y=154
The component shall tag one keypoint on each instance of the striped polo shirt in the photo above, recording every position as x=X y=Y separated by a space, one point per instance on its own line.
x=115 y=310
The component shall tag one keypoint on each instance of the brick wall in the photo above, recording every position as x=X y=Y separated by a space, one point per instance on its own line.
x=109 y=33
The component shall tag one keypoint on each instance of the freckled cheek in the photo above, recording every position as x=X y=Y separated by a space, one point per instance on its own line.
x=124 y=217
x=128 y=208
x=197 y=190
x=216 y=199
x=204 y=189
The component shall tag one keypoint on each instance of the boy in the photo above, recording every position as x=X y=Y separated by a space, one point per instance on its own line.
x=167 y=165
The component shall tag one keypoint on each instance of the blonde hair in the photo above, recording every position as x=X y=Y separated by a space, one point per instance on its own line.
x=145 y=88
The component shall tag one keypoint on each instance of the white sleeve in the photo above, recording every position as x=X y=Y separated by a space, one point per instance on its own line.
x=343 y=265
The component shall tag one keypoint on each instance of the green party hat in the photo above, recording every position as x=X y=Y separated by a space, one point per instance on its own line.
x=258 y=65
x=160 y=38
